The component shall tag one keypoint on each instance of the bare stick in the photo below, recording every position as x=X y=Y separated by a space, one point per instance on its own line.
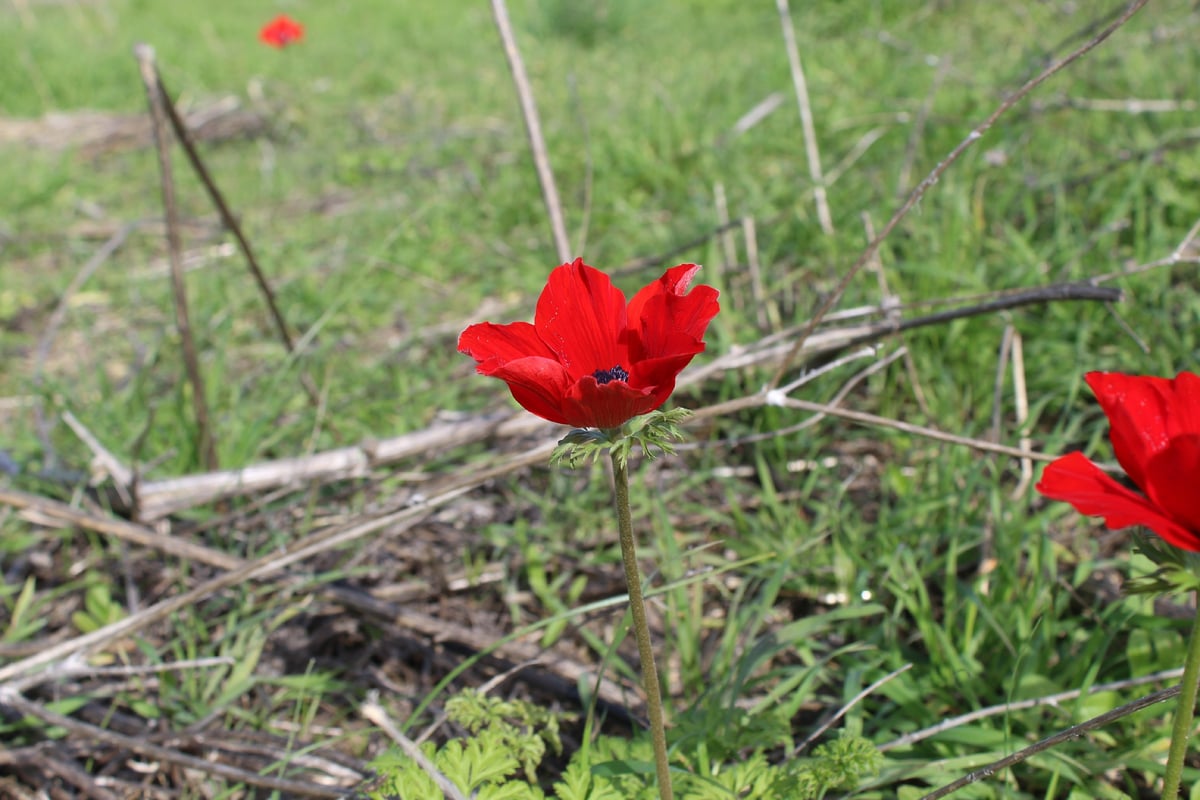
x=1022 y=400
x=103 y=460
x=156 y=499
x=774 y=348
x=932 y=178
x=533 y=128
x=1073 y=732
x=46 y=341
x=272 y=563
x=92 y=733
x=824 y=726
x=48 y=512
x=230 y=222
x=728 y=250
x=1048 y=701
x=891 y=302
x=374 y=713
x=918 y=128
x=806 y=117
x=52 y=513
x=761 y=111
x=124 y=627
x=872 y=420
x=589 y=166
x=1178 y=256
x=77 y=667
x=756 y=281
x=144 y=54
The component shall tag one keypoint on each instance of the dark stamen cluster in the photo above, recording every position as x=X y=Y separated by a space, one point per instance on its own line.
x=617 y=373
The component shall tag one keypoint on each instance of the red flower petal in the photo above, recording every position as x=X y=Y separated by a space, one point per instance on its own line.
x=580 y=316
x=1171 y=481
x=657 y=375
x=1136 y=408
x=1076 y=480
x=666 y=319
x=493 y=346
x=516 y=355
x=590 y=404
x=539 y=385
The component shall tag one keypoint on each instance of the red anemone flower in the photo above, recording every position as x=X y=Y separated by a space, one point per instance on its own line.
x=281 y=31
x=1155 y=432
x=589 y=360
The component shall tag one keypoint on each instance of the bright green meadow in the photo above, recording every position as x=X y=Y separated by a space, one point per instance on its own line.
x=389 y=191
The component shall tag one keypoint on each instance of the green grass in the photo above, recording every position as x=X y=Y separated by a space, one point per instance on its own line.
x=394 y=192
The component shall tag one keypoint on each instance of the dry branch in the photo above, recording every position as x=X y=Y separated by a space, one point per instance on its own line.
x=184 y=136
x=274 y=565
x=936 y=173
x=152 y=500
x=533 y=127
x=158 y=116
x=806 y=117
x=104 y=737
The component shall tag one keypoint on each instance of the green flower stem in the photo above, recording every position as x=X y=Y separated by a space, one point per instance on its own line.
x=641 y=630
x=1183 y=714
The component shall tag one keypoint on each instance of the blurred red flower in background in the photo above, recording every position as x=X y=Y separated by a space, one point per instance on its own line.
x=281 y=31
x=589 y=360
x=1155 y=432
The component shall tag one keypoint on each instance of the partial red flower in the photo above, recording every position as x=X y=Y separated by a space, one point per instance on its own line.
x=589 y=360
x=1155 y=432
x=281 y=31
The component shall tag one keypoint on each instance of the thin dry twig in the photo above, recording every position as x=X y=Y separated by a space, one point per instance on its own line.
x=533 y=127
x=750 y=233
x=104 y=461
x=1021 y=398
x=918 y=127
x=46 y=340
x=1073 y=732
x=45 y=511
x=1178 y=256
x=589 y=166
x=485 y=689
x=1050 y=700
x=97 y=735
x=266 y=565
x=183 y=135
x=892 y=303
x=775 y=398
x=935 y=175
x=205 y=444
x=806 y=116
x=763 y=109
x=774 y=348
x=918 y=430
x=376 y=715
x=77 y=668
x=153 y=500
x=827 y=724
x=309 y=546
x=728 y=245
x=815 y=419
x=1129 y=105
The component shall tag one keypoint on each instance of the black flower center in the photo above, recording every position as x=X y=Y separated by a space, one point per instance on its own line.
x=617 y=373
